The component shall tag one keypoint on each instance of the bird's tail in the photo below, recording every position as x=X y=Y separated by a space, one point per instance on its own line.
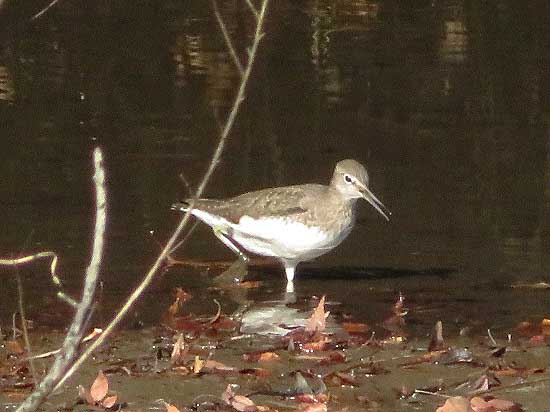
x=180 y=206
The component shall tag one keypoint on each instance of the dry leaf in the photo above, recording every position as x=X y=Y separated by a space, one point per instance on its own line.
x=489 y=404
x=355 y=327
x=260 y=356
x=99 y=388
x=170 y=408
x=109 y=401
x=15 y=347
x=212 y=364
x=317 y=321
x=238 y=402
x=85 y=395
x=455 y=404
x=313 y=407
x=259 y=372
x=198 y=364
x=179 y=352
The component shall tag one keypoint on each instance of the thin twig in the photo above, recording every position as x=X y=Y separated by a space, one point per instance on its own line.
x=493 y=341
x=55 y=279
x=253 y=8
x=44 y=10
x=76 y=330
x=31 y=258
x=227 y=38
x=94 y=334
x=24 y=324
x=172 y=241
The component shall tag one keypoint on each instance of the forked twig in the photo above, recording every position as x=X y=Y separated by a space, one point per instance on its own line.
x=53 y=265
x=76 y=330
x=252 y=8
x=146 y=281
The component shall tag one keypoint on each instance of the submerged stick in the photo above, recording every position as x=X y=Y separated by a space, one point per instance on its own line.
x=148 y=278
x=76 y=330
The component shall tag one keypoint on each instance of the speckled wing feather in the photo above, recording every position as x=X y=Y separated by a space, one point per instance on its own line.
x=276 y=202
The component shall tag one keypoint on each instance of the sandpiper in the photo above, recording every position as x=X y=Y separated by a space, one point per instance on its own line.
x=291 y=223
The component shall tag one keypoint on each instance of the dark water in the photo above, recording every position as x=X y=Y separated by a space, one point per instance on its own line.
x=445 y=101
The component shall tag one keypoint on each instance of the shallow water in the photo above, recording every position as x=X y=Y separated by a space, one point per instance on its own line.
x=446 y=103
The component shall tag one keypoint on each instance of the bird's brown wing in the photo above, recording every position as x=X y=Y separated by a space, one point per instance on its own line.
x=278 y=202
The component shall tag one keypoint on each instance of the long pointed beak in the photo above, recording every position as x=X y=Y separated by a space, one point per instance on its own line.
x=373 y=200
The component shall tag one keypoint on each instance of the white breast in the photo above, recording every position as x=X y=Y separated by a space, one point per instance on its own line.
x=285 y=238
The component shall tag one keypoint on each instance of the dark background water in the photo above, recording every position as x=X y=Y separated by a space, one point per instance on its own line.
x=446 y=102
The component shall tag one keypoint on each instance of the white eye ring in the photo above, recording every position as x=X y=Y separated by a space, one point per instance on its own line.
x=348 y=179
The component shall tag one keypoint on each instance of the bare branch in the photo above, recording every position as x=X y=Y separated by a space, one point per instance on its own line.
x=253 y=9
x=32 y=258
x=44 y=10
x=20 y=294
x=183 y=222
x=227 y=38
x=76 y=330
x=55 y=279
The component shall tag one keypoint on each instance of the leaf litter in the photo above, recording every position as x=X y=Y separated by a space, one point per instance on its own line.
x=207 y=363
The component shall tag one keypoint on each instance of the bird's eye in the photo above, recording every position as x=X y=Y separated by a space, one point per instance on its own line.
x=348 y=179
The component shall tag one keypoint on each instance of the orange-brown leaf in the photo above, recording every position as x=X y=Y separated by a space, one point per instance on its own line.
x=100 y=387
x=109 y=401
x=85 y=395
x=355 y=327
x=313 y=407
x=170 y=408
x=15 y=347
x=317 y=321
x=238 y=402
x=455 y=404
x=479 y=404
x=260 y=356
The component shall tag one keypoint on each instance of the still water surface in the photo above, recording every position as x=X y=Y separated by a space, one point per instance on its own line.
x=446 y=103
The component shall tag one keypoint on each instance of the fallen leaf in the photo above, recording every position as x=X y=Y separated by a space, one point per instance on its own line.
x=250 y=284
x=181 y=296
x=355 y=327
x=212 y=364
x=85 y=395
x=260 y=356
x=489 y=404
x=186 y=324
x=315 y=346
x=223 y=323
x=341 y=378
x=238 y=402
x=170 y=408
x=521 y=372
x=314 y=407
x=317 y=321
x=15 y=347
x=197 y=365
x=259 y=372
x=109 y=401
x=179 y=352
x=99 y=388
x=455 y=404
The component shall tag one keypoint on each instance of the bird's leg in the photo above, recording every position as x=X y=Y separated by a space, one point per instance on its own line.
x=222 y=235
x=289 y=270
